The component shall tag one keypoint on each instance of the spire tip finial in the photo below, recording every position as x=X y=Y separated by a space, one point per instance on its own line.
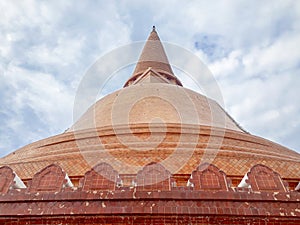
x=153 y=56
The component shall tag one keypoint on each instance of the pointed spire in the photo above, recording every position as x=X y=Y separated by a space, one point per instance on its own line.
x=153 y=56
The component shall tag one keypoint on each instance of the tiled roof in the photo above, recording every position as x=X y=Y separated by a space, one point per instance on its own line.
x=232 y=151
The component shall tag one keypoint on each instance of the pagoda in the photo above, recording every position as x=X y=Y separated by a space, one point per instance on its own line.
x=153 y=152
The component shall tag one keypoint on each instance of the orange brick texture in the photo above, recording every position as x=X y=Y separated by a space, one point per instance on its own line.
x=153 y=177
x=208 y=177
x=262 y=178
x=52 y=178
x=154 y=198
x=6 y=179
x=101 y=177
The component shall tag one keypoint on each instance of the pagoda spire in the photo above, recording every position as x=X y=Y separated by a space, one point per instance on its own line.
x=154 y=59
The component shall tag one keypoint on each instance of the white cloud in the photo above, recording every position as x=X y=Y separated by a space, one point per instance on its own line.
x=46 y=47
x=227 y=65
x=35 y=104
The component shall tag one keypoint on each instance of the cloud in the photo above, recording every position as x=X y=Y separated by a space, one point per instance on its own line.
x=46 y=47
x=34 y=105
x=279 y=56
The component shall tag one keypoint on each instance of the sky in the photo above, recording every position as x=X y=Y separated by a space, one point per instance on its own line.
x=46 y=47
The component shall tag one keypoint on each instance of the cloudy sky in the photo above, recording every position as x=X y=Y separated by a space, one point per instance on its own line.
x=251 y=47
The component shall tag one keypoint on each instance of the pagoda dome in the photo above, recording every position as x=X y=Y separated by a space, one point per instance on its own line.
x=153 y=118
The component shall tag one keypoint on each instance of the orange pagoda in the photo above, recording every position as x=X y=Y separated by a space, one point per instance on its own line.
x=130 y=159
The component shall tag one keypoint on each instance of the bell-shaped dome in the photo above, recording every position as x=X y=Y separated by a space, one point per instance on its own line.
x=145 y=103
x=154 y=119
